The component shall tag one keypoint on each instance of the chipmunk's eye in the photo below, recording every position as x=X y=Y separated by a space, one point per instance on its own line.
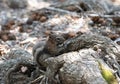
x=58 y=39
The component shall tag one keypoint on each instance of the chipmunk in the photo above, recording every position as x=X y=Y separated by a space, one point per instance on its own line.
x=43 y=50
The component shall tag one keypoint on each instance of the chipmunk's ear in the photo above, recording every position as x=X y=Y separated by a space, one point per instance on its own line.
x=48 y=32
x=69 y=35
